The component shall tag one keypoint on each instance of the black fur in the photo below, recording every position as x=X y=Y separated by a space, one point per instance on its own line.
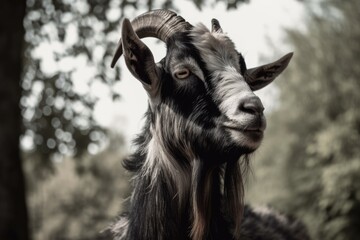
x=188 y=169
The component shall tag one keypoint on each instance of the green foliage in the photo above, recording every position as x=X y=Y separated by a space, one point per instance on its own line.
x=318 y=124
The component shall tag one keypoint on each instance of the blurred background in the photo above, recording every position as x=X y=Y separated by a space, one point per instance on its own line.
x=67 y=118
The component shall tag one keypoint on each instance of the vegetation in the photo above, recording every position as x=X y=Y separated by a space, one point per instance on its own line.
x=80 y=201
x=310 y=163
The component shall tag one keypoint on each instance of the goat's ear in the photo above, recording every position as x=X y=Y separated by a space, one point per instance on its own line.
x=259 y=77
x=139 y=59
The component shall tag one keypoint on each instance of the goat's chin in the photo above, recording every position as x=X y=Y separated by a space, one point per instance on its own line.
x=249 y=141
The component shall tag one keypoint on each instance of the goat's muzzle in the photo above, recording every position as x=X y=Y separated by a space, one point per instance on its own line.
x=248 y=124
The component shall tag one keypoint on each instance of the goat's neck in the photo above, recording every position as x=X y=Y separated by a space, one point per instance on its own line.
x=177 y=194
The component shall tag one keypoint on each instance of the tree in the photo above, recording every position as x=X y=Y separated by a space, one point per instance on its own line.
x=13 y=213
x=319 y=162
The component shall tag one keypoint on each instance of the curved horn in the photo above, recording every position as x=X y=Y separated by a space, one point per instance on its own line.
x=161 y=24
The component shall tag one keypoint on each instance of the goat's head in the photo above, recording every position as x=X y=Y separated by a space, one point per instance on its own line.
x=202 y=79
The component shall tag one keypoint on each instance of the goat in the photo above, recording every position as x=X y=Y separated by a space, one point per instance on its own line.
x=202 y=124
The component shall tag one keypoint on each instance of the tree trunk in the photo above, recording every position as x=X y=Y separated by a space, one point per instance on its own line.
x=13 y=211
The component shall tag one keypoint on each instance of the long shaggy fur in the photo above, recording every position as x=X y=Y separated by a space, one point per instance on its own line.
x=192 y=155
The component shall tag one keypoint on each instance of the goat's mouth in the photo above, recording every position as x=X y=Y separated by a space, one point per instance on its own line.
x=249 y=134
x=256 y=131
x=257 y=125
x=245 y=130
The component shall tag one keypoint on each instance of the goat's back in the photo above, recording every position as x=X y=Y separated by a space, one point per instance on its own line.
x=265 y=223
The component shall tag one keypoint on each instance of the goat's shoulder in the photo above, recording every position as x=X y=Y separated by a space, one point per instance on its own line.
x=261 y=223
x=265 y=223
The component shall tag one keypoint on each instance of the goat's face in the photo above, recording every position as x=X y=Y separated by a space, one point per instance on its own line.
x=201 y=90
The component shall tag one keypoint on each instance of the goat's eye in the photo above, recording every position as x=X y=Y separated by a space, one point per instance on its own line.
x=182 y=73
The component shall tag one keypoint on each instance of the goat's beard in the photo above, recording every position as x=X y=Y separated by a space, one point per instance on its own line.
x=205 y=180
x=217 y=176
x=217 y=163
x=235 y=174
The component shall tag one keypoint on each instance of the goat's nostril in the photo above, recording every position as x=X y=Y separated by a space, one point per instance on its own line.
x=252 y=105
